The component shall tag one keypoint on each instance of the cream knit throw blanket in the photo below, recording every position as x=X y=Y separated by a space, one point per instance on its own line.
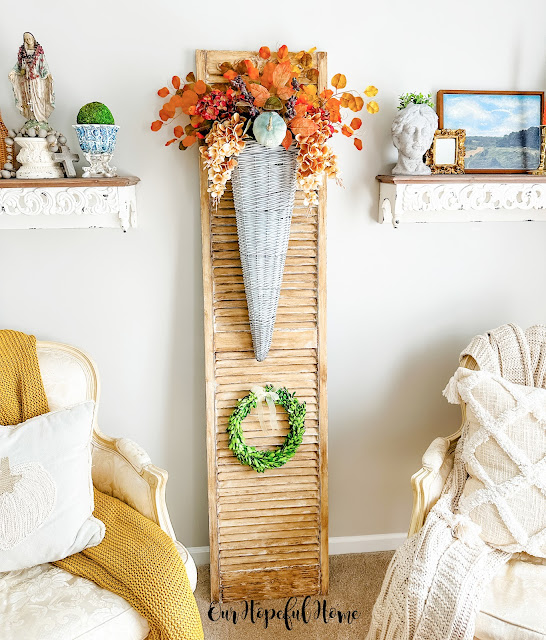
x=435 y=581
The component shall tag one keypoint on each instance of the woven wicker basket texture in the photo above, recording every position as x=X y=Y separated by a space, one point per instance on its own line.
x=264 y=187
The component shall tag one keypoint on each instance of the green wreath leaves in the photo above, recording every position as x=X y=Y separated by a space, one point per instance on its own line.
x=262 y=460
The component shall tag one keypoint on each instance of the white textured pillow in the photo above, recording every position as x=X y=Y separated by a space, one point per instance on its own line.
x=504 y=450
x=46 y=492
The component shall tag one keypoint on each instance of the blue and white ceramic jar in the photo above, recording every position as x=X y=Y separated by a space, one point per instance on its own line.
x=97 y=138
x=97 y=141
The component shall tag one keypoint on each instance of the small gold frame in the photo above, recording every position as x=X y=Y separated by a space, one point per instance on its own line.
x=452 y=168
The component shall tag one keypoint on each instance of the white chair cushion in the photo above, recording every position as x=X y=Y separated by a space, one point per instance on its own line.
x=514 y=604
x=48 y=603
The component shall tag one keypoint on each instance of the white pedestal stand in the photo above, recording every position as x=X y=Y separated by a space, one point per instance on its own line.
x=36 y=160
x=99 y=166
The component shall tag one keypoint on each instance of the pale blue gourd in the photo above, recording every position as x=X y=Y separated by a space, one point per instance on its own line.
x=269 y=129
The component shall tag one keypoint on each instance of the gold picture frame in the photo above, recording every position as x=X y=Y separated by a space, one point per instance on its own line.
x=446 y=154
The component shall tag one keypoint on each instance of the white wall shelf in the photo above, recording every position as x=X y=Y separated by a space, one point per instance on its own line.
x=483 y=197
x=68 y=203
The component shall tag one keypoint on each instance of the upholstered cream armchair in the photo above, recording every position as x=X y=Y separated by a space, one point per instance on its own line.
x=514 y=604
x=46 y=602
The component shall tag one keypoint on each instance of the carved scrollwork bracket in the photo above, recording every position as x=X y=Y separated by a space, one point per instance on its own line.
x=60 y=207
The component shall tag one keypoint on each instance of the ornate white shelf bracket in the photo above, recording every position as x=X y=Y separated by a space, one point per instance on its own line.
x=462 y=198
x=68 y=203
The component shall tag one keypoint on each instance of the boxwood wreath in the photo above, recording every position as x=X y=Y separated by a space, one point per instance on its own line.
x=268 y=459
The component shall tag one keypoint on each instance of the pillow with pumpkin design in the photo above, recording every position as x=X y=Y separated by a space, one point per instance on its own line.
x=46 y=492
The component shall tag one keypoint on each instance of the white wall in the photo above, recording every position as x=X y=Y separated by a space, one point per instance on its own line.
x=402 y=304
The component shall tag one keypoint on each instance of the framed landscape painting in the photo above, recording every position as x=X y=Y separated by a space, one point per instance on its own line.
x=502 y=128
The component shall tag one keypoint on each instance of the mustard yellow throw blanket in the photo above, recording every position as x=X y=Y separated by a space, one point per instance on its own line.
x=136 y=560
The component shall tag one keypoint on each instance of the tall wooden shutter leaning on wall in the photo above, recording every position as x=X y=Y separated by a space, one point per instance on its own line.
x=268 y=532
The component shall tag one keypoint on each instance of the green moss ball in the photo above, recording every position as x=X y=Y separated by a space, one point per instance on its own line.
x=95 y=113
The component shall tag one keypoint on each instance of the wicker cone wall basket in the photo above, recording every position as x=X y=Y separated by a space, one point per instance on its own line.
x=264 y=187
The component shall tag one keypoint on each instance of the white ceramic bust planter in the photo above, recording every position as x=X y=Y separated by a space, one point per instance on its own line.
x=412 y=134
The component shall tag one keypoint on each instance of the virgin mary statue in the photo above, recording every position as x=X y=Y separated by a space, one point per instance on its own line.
x=32 y=82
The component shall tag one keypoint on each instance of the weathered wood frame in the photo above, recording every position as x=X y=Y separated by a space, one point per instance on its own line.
x=290 y=579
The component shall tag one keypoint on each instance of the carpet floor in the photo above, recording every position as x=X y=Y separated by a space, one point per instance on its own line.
x=355 y=581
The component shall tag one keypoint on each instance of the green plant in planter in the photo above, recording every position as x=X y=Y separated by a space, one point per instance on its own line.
x=415 y=98
x=95 y=113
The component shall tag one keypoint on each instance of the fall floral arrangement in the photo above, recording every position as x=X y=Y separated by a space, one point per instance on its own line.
x=273 y=99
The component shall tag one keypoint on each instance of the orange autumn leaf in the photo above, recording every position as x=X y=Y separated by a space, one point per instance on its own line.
x=178 y=131
x=332 y=106
x=302 y=126
x=195 y=121
x=225 y=66
x=176 y=82
x=230 y=74
x=260 y=93
x=282 y=53
x=176 y=100
x=358 y=143
x=372 y=107
x=339 y=81
x=265 y=52
x=267 y=74
x=346 y=131
x=358 y=104
x=306 y=60
x=348 y=101
x=356 y=123
x=169 y=109
x=344 y=101
x=156 y=125
x=287 y=139
x=164 y=116
x=199 y=87
x=284 y=93
x=163 y=92
x=170 y=142
x=335 y=115
x=282 y=75
x=252 y=71
x=326 y=94
x=189 y=99
x=189 y=140
x=300 y=109
x=310 y=92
